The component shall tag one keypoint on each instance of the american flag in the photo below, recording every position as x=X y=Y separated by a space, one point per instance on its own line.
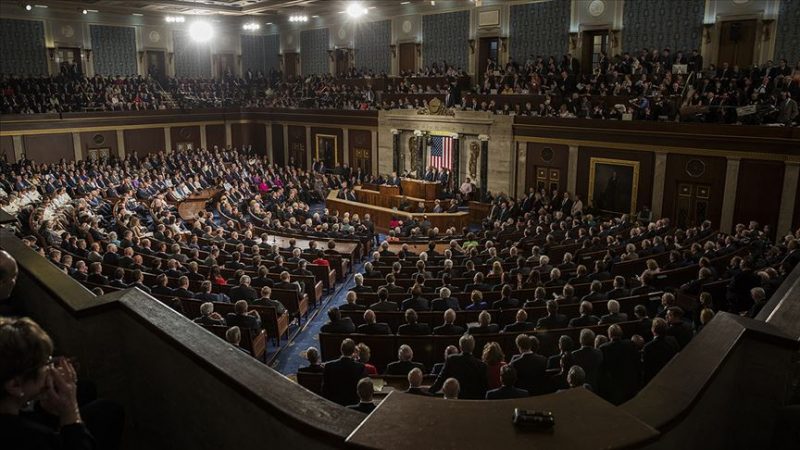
x=442 y=152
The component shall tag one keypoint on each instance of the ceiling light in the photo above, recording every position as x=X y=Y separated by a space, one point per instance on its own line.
x=84 y=12
x=201 y=31
x=40 y=6
x=251 y=26
x=175 y=19
x=269 y=23
x=356 y=10
x=315 y=16
x=93 y=10
x=298 y=18
x=404 y=3
x=28 y=7
x=138 y=14
x=433 y=2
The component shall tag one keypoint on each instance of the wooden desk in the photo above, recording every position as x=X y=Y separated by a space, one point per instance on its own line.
x=385 y=189
x=189 y=207
x=386 y=199
x=427 y=190
x=449 y=424
x=382 y=216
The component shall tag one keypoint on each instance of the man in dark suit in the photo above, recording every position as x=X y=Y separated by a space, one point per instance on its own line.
x=586 y=319
x=383 y=303
x=445 y=301
x=412 y=327
x=337 y=324
x=415 y=378
x=467 y=369
x=263 y=278
x=619 y=290
x=508 y=378
x=352 y=303
x=243 y=318
x=739 y=288
x=521 y=323
x=161 y=287
x=529 y=365
x=390 y=285
x=207 y=296
x=118 y=281
x=416 y=301
x=613 y=316
x=370 y=327
x=138 y=281
x=208 y=317
x=365 y=391
x=266 y=300
x=619 y=378
x=595 y=292
x=506 y=300
x=485 y=325
x=340 y=377
x=182 y=290
x=448 y=328
x=404 y=363
x=243 y=291
x=96 y=274
x=678 y=328
x=659 y=351
x=589 y=358
x=359 y=287
x=553 y=319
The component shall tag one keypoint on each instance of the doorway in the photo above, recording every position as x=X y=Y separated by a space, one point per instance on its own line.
x=547 y=178
x=225 y=65
x=290 y=65
x=156 y=64
x=593 y=43
x=737 y=40
x=69 y=61
x=342 y=60
x=408 y=58
x=691 y=206
x=488 y=48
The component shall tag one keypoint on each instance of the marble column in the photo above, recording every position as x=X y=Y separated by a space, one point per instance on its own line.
x=309 y=153
x=19 y=150
x=520 y=172
x=659 y=178
x=374 y=151
x=346 y=146
x=484 y=171
x=285 y=144
x=203 y=137
x=121 y=143
x=76 y=146
x=791 y=175
x=729 y=197
x=395 y=149
x=268 y=143
x=228 y=135
x=572 y=169
x=454 y=173
x=167 y=140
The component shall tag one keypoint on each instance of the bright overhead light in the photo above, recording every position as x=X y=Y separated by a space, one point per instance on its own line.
x=40 y=6
x=269 y=23
x=433 y=2
x=356 y=10
x=315 y=16
x=137 y=14
x=85 y=12
x=175 y=19
x=298 y=18
x=404 y=3
x=251 y=26
x=201 y=31
x=28 y=7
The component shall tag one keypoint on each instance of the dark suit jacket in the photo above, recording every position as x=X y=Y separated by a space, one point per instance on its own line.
x=470 y=373
x=551 y=322
x=414 y=329
x=584 y=321
x=339 y=380
x=415 y=303
x=656 y=354
x=441 y=304
x=342 y=326
x=489 y=329
x=418 y=391
x=506 y=392
x=243 y=293
x=383 y=306
x=242 y=321
x=608 y=319
x=617 y=293
x=518 y=326
x=530 y=369
x=365 y=408
x=183 y=293
x=374 y=328
x=97 y=278
x=403 y=367
x=590 y=359
x=619 y=377
x=682 y=332
x=448 y=329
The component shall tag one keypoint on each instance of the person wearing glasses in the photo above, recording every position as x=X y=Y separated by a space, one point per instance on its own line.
x=28 y=372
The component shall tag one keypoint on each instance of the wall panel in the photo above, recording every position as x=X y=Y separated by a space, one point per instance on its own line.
x=674 y=24
x=314 y=47
x=23 y=47
x=99 y=140
x=539 y=29
x=113 y=50
x=787 y=44
x=445 y=39
x=538 y=156
x=244 y=134
x=260 y=52
x=681 y=169
x=758 y=194
x=48 y=148
x=185 y=135
x=215 y=135
x=372 y=42
x=144 y=141
x=297 y=146
x=277 y=145
x=646 y=162
x=7 y=149
x=192 y=59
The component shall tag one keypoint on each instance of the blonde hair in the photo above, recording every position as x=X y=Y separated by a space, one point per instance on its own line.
x=492 y=353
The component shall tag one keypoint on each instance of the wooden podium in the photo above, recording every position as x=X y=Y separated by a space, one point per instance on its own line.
x=426 y=190
x=387 y=190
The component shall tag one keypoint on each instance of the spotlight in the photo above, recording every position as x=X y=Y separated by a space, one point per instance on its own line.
x=175 y=19
x=201 y=31
x=28 y=7
x=85 y=12
x=298 y=18
x=251 y=26
x=356 y=10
